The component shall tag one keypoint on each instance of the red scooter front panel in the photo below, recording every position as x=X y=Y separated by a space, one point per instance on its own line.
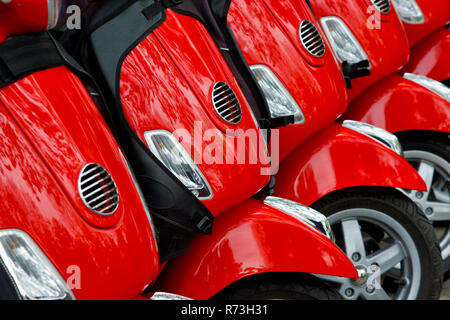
x=251 y=239
x=19 y=17
x=167 y=83
x=269 y=36
x=50 y=129
x=381 y=36
x=337 y=158
x=431 y=56
x=397 y=104
x=436 y=14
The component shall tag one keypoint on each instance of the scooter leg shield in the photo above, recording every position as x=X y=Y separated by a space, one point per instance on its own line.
x=398 y=104
x=430 y=57
x=337 y=158
x=251 y=239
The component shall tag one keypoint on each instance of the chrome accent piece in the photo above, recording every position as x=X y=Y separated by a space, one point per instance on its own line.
x=279 y=99
x=31 y=273
x=311 y=39
x=383 y=6
x=226 y=103
x=380 y=135
x=190 y=174
x=53 y=7
x=167 y=296
x=302 y=213
x=344 y=43
x=409 y=11
x=437 y=87
x=98 y=190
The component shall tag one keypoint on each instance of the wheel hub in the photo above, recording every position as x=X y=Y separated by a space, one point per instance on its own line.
x=363 y=276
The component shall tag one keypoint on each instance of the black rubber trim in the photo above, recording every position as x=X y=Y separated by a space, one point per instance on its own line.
x=356 y=70
x=8 y=289
x=24 y=55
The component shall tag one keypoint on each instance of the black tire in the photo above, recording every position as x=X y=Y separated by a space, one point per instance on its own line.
x=439 y=146
x=280 y=287
x=397 y=206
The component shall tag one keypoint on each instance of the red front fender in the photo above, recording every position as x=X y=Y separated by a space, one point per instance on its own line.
x=430 y=57
x=397 y=104
x=251 y=239
x=338 y=158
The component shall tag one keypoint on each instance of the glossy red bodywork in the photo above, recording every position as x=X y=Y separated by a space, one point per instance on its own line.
x=385 y=44
x=269 y=36
x=431 y=56
x=436 y=13
x=50 y=129
x=398 y=104
x=22 y=16
x=339 y=158
x=381 y=97
x=166 y=83
x=250 y=239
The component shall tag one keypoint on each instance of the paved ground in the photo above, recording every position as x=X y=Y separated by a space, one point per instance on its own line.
x=446 y=292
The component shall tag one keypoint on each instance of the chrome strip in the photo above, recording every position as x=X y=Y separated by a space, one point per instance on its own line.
x=380 y=135
x=53 y=7
x=302 y=213
x=167 y=296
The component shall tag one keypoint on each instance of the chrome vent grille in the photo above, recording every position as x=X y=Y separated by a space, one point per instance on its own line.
x=311 y=39
x=382 y=5
x=226 y=103
x=98 y=190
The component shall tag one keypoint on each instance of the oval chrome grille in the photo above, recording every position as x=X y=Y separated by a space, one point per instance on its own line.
x=311 y=39
x=226 y=103
x=382 y=5
x=98 y=190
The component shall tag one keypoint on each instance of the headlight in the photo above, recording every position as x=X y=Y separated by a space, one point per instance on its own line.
x=280 y=102
x=171 y=153
x=433 y=85
x=409 y=11
x=33 y=275
x=302 y=213
x=342 y=40
x=380 y=135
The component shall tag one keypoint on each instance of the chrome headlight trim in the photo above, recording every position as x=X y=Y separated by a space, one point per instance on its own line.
x=264 y=74
x=31 y=272
x=439 y=88
x=302 y=213
x=382 y=136
x=413 y=18
x=351 y=37
x=182 y=157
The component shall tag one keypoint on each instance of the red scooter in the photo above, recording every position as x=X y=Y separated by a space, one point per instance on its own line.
x=179 y=110
x=379 y=99
x=73 y=223
x=427 y=25
x=358 y=191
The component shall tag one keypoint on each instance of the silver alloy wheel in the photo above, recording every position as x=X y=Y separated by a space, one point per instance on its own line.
x=435 y=171
x=396 y=261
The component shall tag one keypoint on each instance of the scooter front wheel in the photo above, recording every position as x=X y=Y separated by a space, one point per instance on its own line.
x=431 y=158
x=390 y=242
